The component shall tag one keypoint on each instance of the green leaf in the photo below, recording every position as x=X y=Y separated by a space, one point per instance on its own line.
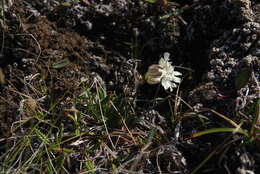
x=242 y=77
x=105 y=100
x=89 y=166
x=150 y=1
x=42 y=136
x=219 y=130
x=68 y=150
x=61 y=63
x=59 y=163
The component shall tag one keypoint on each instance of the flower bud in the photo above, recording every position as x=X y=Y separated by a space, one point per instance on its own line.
x=154 y=74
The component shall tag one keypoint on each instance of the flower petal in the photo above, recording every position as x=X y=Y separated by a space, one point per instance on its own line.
x=162 y=62
x=177 y=73
x=166 y=56
x=168 y=84
x=176 y=79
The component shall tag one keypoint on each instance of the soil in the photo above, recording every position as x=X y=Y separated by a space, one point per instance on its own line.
x=50 y=48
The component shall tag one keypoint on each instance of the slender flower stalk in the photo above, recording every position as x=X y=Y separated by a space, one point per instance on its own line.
x=163 y=73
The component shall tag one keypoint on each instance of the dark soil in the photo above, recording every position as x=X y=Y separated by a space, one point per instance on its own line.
x=50 y=49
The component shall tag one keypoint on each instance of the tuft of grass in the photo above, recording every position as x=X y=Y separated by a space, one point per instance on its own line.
x=250 y=134
x=47 y=141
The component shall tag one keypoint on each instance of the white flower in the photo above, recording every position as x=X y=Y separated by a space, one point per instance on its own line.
x=163 y=73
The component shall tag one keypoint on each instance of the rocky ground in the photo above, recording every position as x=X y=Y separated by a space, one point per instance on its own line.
x=69 y=86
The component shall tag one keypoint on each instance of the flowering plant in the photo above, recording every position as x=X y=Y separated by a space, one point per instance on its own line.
x=163 y=73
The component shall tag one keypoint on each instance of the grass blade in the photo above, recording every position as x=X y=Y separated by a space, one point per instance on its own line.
x=219 y=130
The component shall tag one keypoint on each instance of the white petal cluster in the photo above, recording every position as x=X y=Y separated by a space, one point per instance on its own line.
x=163 y=73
